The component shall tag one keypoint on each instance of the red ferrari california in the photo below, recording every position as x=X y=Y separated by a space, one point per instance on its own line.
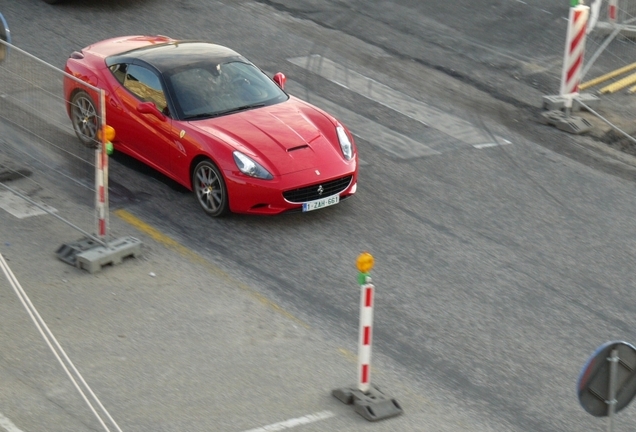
x=208 y=118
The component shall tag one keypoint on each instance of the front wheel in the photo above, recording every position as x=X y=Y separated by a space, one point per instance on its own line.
x=84 y=117
x=209 y=188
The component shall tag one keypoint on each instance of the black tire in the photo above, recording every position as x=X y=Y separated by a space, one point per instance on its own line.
x=84 y=118
x=209 y=189
x=52 y=1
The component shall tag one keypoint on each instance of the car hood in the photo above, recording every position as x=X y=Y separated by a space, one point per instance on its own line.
x=282 y=136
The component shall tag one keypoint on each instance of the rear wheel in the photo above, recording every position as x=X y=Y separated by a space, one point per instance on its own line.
x=209 y=188
x=84 y=118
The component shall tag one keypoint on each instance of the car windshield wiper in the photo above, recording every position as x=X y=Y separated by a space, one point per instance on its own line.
x=238 y=109
x=220 y=113
x=199 y=116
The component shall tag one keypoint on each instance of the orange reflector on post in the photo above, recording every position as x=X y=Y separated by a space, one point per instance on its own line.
x=109 y=133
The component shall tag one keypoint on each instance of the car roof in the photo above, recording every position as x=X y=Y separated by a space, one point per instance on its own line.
x=174 y=54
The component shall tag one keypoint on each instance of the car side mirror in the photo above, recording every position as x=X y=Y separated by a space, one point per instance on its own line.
x=280 y=79
x=150 y=108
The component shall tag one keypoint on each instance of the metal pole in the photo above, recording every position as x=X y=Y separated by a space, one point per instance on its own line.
x=599 y=50
x=102 y=102
x=612 y=390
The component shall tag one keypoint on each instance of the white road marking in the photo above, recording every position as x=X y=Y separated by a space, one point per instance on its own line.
x=449 y=127
x=288 y=424
x=486 y=145
x=8 y=424
x=390 y=141
x=19 y=207
x=535 y=7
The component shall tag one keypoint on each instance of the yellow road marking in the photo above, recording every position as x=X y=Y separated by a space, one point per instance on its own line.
x=174 y=245
x=607 y=76
x=348 y=355
x=170 y=243
x=620 y=84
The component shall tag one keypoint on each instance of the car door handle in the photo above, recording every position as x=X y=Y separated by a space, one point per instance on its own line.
x=113 y=103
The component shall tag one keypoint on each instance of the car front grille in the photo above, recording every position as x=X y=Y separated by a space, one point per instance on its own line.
x=317 y=191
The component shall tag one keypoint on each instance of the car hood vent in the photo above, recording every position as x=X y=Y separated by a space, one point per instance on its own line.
x=300 y=147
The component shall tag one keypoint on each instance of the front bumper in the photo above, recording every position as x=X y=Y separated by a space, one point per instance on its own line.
x=255 y=196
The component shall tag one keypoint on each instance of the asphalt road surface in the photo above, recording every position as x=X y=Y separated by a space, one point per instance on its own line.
x=503 y=248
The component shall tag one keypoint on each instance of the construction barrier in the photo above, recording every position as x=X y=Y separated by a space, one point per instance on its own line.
x=574 y=50
x=607 y=79
x=368 y=400
x=364 y=346
x=42 y=155
x=39 y=138
x=559 y=107
x=612 y=47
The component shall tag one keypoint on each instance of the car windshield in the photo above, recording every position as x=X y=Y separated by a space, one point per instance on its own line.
x=211 y=90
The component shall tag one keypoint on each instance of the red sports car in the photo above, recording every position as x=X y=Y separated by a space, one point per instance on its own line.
x=208 y=118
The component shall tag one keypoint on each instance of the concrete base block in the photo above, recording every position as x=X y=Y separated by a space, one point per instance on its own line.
x=557 y=102
x=68 y=251
x=372 y=405
x=571 y=124
x=89 y=255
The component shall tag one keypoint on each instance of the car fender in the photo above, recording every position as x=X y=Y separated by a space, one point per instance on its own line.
x=79 y=73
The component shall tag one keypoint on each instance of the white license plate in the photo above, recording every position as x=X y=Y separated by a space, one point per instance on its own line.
x=323 y=202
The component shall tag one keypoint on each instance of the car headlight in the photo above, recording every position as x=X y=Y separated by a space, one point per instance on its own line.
x=250 y=167
x=345 y=143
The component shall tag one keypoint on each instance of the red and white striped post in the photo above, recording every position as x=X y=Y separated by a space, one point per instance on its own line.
x=366 y=325
x=612 y=11
x=101 y=194
x=367 y=399
x=367 y=291
x=106 y=135
x=574 y=50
